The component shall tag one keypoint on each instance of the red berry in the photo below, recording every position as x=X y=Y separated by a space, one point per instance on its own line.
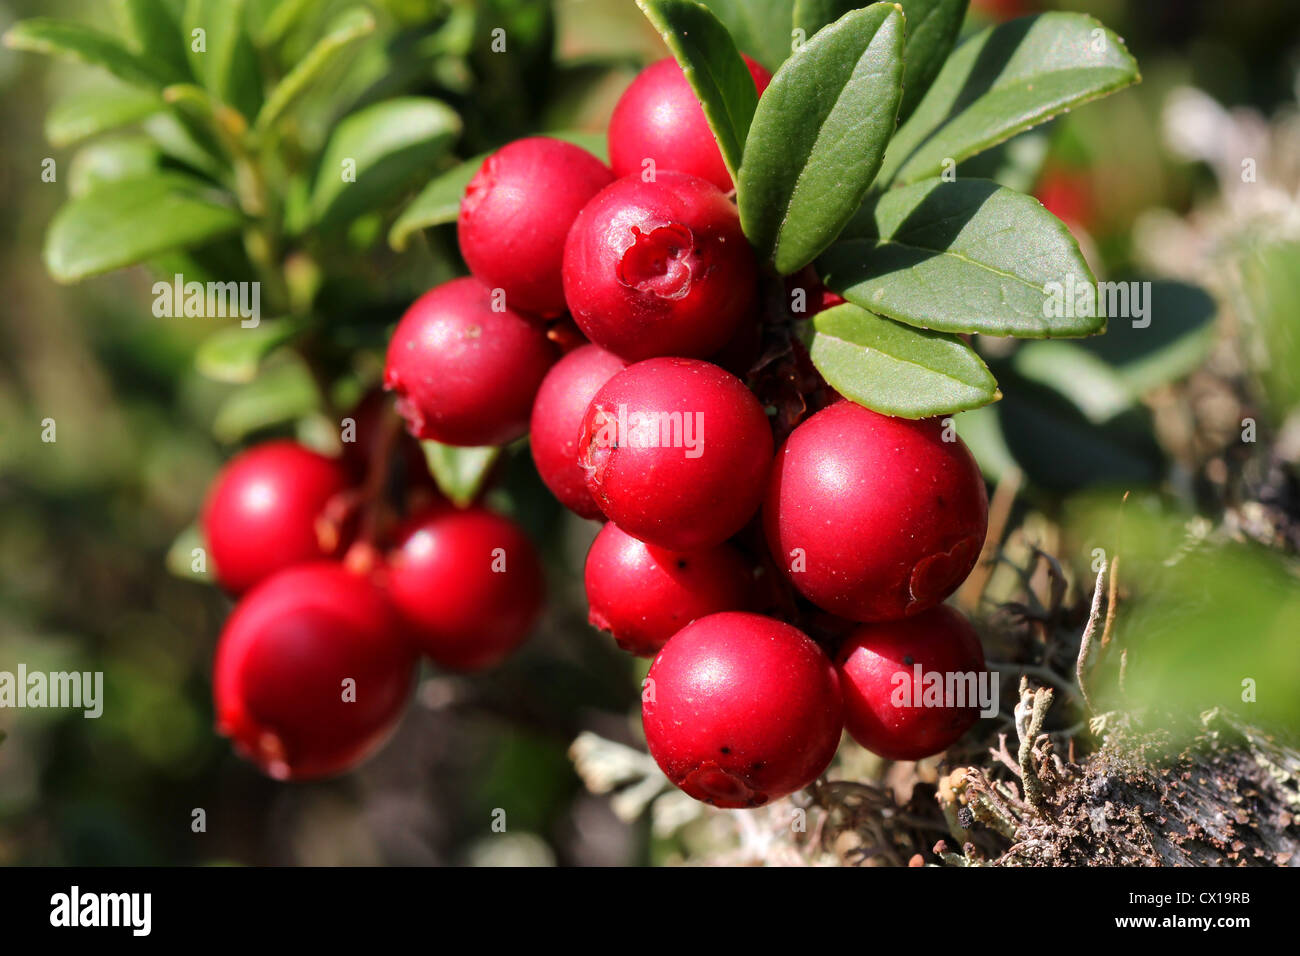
x=874 y=518
x=741 y=709
x=469 y=584
x=660 y=118
x=676 y=452
x=643 y=595
x=465 y=373
x=312 y=672
x=659 y=268
x=261 y=512
x=516 y=213
x=885 y=706
x=558 y=411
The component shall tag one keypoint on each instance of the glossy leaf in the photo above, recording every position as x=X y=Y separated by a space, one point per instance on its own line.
x=819 y=134
x=282 y=393
x=86 y=113
x=932 y=28
x=135 y=220
x=1004 y=80
x=962 y=256
x=712 y=65
x=380 y=148
x=459 y=472
x=896 y=369
x=235 y=354
x=761 y=28
x=76 y=41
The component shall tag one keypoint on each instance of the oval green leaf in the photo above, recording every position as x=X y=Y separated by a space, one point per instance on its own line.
x=1005 y=80
x=381 y=148
x=459 y=472
x=896 y=369
x=963 y=256
x=76 y=41
x=712 y=64
x=819 y=134
x=135 y=220
x=86 y=113
x=235 y=354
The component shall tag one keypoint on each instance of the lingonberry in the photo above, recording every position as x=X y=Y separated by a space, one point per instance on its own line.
x=465 y=367
x=312 y=672
x=741 y=709
x=888 y=707
x=561 y=404
x=874 y=518
x=659 y=118
x=468 y=583
x=659 y=268
x=676 y=452
x=516 y=213
x=263 y=509
x=643 y=595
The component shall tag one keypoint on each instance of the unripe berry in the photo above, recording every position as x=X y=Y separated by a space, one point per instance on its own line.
x=874 y=518
x=465 y=367
x=468 y=583
x=886 y=708
x=516 y=213
x=659 y=268
x=741 y=709
x=643 y=595
x=676 y=452
x=660 y=118
x=556 y=425
x=312 y=672
x=262 y=510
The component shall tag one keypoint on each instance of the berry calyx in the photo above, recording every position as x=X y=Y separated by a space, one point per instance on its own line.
x=676 y=452
x=741 y=709
x=874 y=518
x=262 y=511
x=891 y=710
x=659 y=268
x=468 y=583
x=556 y=423
x=312 y=672
x=466 y=367
x=516 y=213
x=659 y=118
x=643 y=595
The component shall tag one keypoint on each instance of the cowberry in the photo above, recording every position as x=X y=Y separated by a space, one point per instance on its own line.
x=558 y=411
x=312 y=672
x=874 y=518
x=741 y=709
x=465 y=367
x=262 y=511
x=659 y=118
x=659 y=268
x=676 y=452
x=516 y=213
x=468 y=583
x=643 y=595
x=887 y=708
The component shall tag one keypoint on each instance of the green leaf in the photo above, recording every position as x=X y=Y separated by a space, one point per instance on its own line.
x=1005 y=80
x=962 y=256
x=439 y=202
x=383 y=146
x=896 y=369
x=932 y=28
x=180 y=556
x=281 y=20
x=135 y=220
x=819 y=134
x=709 y=58
x=235 y=354
x=811 y=15
x=88 y=113
x=76 y=41
x=111 y=160
x=459 y=472
x=761 y=28
x=280 y=394
x=351 y=26
x=157 y=36
x=227 y=67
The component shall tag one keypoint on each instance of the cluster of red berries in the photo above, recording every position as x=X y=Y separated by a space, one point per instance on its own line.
x=872 y=521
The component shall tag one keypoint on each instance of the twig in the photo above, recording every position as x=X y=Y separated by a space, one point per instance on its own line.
x=1085 y=642
x=1030 y=713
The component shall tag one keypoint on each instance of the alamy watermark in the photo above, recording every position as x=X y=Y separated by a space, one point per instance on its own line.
x=949 y=689
x=625 y=429
x=81 y=690
x=208 y=300
x=1079 y=299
